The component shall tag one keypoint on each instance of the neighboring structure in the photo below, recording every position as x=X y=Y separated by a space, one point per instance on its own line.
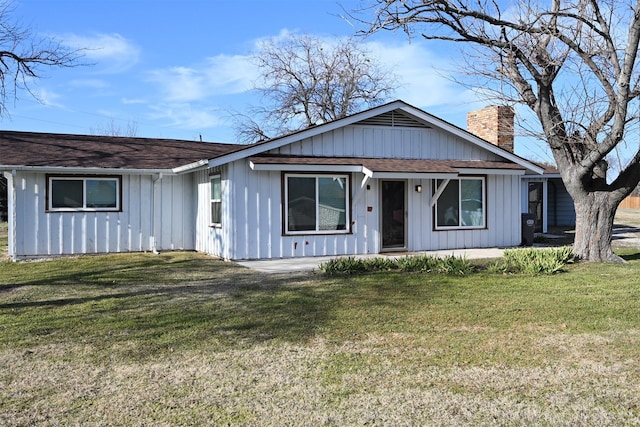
x=392 y=178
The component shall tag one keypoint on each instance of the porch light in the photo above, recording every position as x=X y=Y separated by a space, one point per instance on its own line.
x=418 y=188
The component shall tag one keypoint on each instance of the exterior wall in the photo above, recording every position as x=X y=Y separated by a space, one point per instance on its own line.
x=371 y=141
x=163 y=218
x=252 y=201
x=211 y=239
x=561 y=211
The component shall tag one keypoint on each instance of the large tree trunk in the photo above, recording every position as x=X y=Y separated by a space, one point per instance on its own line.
x=595 y=213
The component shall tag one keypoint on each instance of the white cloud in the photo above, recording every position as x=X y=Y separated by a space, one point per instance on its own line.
x=133 y=101
x=112 y=53
x=422 y=74
x=89 y=83
x=421 y=71
x=186 y=116
x=218 y=75
x=48 y=98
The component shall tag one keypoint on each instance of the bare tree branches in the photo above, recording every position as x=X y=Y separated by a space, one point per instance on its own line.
x=111 y=128
x=24 y=56
x=306 y=81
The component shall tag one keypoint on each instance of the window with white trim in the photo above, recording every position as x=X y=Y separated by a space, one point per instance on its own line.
x=216 y=200
x=461 y=204
x=73 y=194
x=317 y=204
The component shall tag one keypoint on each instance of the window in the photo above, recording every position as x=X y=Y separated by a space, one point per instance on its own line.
x=461 y=204
x=317 y=204
x=216 y=200
x=83 y=193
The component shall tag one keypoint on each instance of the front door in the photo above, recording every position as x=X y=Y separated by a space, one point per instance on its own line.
x=393 y=215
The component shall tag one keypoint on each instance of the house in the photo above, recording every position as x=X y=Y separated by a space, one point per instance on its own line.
x=391 y=178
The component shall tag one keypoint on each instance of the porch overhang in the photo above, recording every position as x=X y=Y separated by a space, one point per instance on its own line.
x=384 y=168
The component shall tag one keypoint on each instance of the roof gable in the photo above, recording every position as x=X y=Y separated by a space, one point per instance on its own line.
x=393 y=114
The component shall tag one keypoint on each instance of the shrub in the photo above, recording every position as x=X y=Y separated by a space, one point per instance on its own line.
x=347 y=265
x=416 y=264
x=534 y=260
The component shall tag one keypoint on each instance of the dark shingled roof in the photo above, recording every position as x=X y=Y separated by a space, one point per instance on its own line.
x=91 y=151
x=388 y=165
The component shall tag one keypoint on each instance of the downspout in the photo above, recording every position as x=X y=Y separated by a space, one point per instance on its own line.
x=11 y=212
x=153 y=214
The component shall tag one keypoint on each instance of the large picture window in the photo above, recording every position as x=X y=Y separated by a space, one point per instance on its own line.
x=216 y=200
x=461 y=204
x=316 y=204
x=83 y=193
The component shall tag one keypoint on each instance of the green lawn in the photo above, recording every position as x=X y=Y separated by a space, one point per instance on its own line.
x=182 y=338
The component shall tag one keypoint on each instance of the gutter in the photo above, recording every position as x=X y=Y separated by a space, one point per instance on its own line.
x=80 y=170
x=192 y=167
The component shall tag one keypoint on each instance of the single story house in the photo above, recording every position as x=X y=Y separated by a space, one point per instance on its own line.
x=391 y=178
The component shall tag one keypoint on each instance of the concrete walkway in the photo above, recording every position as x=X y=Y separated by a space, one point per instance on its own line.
x=293 y=265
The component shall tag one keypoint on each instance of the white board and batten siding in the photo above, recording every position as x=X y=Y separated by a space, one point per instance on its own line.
x=164 y=218
x=561 y=210
x=252 y=224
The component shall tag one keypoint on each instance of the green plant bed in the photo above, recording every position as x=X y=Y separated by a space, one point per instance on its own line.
x=408 y=264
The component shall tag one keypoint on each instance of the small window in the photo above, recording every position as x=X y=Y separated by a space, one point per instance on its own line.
x=461 y=204
x=216 y=200
x=69 y=194
x=316 y=204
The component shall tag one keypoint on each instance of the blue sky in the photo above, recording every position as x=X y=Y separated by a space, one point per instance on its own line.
x=176 y=69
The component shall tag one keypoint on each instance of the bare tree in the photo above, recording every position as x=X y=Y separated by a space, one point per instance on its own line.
x=306 y=80
x=573 y=64
x=110 y=128
x=24 y=55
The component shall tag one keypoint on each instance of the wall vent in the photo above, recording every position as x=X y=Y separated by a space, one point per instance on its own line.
x=393 y=119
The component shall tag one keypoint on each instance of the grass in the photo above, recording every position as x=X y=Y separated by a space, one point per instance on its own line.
x=182 y=338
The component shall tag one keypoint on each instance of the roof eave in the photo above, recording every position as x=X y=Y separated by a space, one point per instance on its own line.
x=85 y=170
x=192 y=167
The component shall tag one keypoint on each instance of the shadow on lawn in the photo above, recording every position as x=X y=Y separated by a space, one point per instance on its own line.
x=631 y=257
x=157 y=304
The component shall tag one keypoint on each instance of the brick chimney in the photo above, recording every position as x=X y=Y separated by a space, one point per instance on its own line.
x=493 y=123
